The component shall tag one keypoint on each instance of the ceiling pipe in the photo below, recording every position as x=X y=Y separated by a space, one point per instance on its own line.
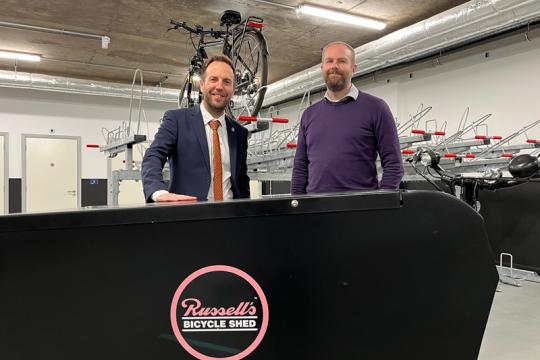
x=463 y=24
x=24 y=80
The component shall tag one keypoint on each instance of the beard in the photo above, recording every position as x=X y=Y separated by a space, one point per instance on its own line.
x=335 y=83
x=212 y=105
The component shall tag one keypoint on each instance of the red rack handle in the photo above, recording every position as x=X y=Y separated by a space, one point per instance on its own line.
x=450 y=155
x=507 y=155
x=470 y=156
x=418 y=131
x=532 y=141
x=407 y=152
x=496 y=137
x=439 y=133
x=247 y=118
x=93 y=146
x=291 y=145
x=480 y=137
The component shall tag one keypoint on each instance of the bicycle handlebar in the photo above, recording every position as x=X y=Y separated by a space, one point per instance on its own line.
x=524 y=168
x=198 y=29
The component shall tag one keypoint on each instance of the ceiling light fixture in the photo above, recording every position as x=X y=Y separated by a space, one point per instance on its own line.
x=340 y=17
x=19 y=56
x=105 y=40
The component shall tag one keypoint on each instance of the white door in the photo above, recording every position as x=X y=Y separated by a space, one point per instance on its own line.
x=51 y=173
x=3 y=175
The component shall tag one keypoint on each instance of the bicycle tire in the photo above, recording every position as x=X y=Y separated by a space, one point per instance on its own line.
x=185 y=98
x=250 y=88
x=182 y=94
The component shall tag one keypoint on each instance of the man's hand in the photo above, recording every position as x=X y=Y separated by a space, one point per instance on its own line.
x=170 y=197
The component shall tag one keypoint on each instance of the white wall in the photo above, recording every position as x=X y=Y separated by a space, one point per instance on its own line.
x=504 y=84
x=25 y=111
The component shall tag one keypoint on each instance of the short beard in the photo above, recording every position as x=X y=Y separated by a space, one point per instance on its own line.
x=213 y=109
x=335 y=85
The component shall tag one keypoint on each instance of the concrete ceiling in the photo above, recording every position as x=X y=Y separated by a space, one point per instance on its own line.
x=139 y=39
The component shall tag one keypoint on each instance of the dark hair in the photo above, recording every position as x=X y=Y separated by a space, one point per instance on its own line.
x=217 y=58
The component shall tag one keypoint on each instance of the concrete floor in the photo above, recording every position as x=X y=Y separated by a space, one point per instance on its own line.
x=513 y=329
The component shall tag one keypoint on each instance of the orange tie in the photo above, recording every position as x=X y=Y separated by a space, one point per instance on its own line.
x=216 y=158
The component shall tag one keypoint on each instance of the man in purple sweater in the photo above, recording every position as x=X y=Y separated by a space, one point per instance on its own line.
x=340 y=136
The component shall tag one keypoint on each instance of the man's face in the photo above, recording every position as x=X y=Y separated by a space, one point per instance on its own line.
x=337 y=67
x=217 y=86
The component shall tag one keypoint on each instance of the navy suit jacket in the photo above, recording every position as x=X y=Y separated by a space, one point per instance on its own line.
x=181 y=139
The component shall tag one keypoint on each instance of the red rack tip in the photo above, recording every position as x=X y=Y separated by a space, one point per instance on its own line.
x=92 y=146
x=496 y=137
x=291 y=145
x=407 y=151
x=450 y=155
x=507 y=155
x=439 y=133
x=418 y=131
x=470 y=156
x=532 y=141
x=480 y=137
x=280 y=120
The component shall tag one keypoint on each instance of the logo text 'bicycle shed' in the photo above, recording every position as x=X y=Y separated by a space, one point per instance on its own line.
x=219 y=312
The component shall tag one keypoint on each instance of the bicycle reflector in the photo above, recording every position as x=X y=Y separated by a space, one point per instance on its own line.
x=255 y=24
x=523 y=166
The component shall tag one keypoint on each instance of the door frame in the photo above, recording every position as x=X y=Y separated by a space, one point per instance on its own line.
x=23 y=152
x=6 y=171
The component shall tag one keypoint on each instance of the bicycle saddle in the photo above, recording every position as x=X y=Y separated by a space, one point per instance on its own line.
x=523 y=166
x=230 y=17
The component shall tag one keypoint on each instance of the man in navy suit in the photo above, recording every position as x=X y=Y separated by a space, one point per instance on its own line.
x=188 y=138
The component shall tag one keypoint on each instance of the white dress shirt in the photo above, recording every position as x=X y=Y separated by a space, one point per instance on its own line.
x=225 y=156
x=353 y=92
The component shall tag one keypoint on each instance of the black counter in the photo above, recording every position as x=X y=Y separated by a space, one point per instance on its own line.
x=361 y=276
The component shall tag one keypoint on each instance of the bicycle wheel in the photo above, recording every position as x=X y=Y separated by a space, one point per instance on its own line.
x=249 y=56
x=189 y=95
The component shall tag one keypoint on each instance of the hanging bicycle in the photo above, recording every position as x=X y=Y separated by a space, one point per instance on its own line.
x=242 y=41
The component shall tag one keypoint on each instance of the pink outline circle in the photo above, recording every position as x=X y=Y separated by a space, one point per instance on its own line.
x=237 y=272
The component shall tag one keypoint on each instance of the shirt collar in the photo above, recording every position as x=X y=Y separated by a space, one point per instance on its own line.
x=207 y=117
x=353 y=93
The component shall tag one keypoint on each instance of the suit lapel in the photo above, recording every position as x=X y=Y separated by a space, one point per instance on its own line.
x=233 y=145
x=198 y=127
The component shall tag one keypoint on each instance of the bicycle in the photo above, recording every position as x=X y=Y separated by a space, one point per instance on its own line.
x=244 y=44
x=523 y=168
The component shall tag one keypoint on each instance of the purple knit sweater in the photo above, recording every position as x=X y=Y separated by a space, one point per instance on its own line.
x=338 y=145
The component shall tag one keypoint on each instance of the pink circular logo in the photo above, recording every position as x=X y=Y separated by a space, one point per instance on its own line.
x=219 y=313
